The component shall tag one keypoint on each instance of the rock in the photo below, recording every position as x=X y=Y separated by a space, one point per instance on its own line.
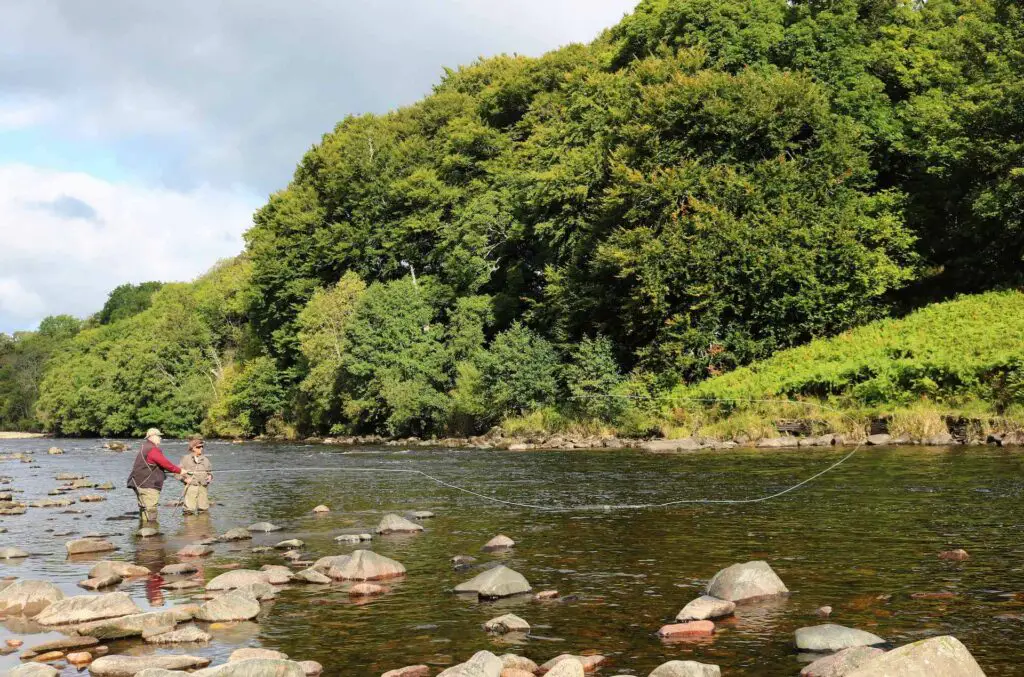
x=546 y=596
x=115 y=446
x=257 y=591
x=409 y=671
x=686 y=669
x=945 y=594
x=62 y=644
x=86 y=608
x=182 y=585
x=777 y=443
x=497 y=582
x=230 y=607
x=249 y=653
x=187 y=635
x=33 y=670
x=321 y=509
x=79 y=658
x=101 y=582
x=940 y=440
x=482 y=664
x=114 y=568
x=507 y=623
x=879 y=440
x=127 y=666
x=954 y=555
x=706 y=607
x=327 y=563
x=13 y=553
x=570 y=667
x=823 y=612
x=236 y=579
x=264 y=527
x=87 y=545
x=348 y=538
x=195 y=550
x=92 y=498
x=395 y=524
x=423 y=514
x=28 y=598
x=253 y=667
x=750 y=581
x=310 y=576
x=511 y=661
x=179 y=569
x=137 y=625
x=311 y=668
x=841 y=663
x=183 y=613
x=668 y=446
x=55 y=451
x=238 y=534
x=365 y=565
x=688 y=628
x=289 y=544
x=366 y=590
x=935 y=657
x=147 y=532
x=590 y=663
x=275 y=574
x=831 y=637
x=499 y=542
x=13 y=643
x=462 y=561
x=83 y=484
x=68 y=477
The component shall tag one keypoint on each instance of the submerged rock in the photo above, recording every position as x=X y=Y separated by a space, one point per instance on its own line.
x=13 y=553
x=28 y=598
x=958 y=555
x=507 y=623
x=147 y=532
x=348 y=538
x=365 y=565
x=832 y=637
x=289 y=544
x=706 y=607
x=264 y=527
x=127 y=666
x=395 y=524
x=321 y=509
x=942 y=656
x=179 y=569
x=499 y=542
x=310 y=576
x=686 y=669
x=195 y=550
x=101 y=582
x=497 y=582
x=841 y=663
x=749 y=581
x=238 y=534
x=85 y=608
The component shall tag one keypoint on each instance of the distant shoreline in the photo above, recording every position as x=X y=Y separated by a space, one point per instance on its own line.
x=13 y=435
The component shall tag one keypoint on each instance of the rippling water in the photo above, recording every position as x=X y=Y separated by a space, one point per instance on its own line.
x=862 y=539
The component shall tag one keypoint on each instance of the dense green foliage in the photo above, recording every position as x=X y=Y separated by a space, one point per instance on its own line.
x=708 y=183
x=23 y=360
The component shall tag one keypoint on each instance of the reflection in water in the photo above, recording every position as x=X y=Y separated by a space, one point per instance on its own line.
x=863 y=539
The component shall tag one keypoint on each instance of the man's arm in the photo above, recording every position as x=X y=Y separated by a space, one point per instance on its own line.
x=157 y=456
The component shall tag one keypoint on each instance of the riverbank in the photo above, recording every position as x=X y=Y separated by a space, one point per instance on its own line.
x=15 y=435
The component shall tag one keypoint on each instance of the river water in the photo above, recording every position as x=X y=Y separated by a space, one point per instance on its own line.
x=862 y=539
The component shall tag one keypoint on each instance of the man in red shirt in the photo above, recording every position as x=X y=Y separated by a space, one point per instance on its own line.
x=148 y=473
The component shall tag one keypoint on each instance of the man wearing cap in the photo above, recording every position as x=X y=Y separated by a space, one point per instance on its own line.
x=197 y=474
x=148 y=473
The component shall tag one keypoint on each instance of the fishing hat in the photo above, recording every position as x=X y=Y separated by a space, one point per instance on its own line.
x=195 y=442
x=153 y=432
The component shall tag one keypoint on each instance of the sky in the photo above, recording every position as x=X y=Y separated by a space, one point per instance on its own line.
x=137 y=138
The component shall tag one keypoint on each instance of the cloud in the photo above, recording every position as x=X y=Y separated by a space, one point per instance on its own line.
x=55 y=261
x=192 y=92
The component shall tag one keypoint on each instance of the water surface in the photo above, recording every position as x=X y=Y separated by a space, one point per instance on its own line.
x=862 y=539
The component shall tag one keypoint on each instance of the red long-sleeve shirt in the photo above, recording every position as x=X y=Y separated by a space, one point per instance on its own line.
x=156 y=457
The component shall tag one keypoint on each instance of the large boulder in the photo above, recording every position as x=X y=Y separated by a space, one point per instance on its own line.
x=230 y=607
x=86 y=608
x=831 y=637
x=127 y=666
x=108 y=568
x=750 y=581
x=365 y=565
x=325 y=564
x=28 y=598
x=482 y=664
x=254 y=667
x=497 y=582
x=136 y=625
x=236 y=579
x=935 y=657
x=706 y=608
x=841 y=663
x=83 y=546
x=395 y=524
x=507 y=623
x=686 y=669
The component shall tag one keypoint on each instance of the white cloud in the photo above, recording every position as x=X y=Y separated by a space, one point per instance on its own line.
x=53 y=260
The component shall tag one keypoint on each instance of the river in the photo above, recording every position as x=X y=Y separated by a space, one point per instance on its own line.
x=862 y=539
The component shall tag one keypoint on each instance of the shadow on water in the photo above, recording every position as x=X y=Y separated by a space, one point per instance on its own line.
x=863 y=539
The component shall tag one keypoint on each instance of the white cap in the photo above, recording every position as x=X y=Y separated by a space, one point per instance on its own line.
x=153 y=432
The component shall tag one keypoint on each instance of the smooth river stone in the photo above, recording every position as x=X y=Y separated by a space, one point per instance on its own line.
x=85 y=608
x=507 y=623
x=127 y=666
x=365 y=565
x=706 y=608
x=686 y=669
x=831 y=637
x=749 y=581
x=841 y=663
x=395 y=524
x=497 y=582
x=942 y=656
x=88 y=545
x=28 y=598
x=482 y=664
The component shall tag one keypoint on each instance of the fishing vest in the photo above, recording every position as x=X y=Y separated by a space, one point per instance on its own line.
x=146 y=475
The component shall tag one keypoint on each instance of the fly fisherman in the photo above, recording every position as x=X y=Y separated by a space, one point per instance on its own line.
x=148 y=473
x=197 y=473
